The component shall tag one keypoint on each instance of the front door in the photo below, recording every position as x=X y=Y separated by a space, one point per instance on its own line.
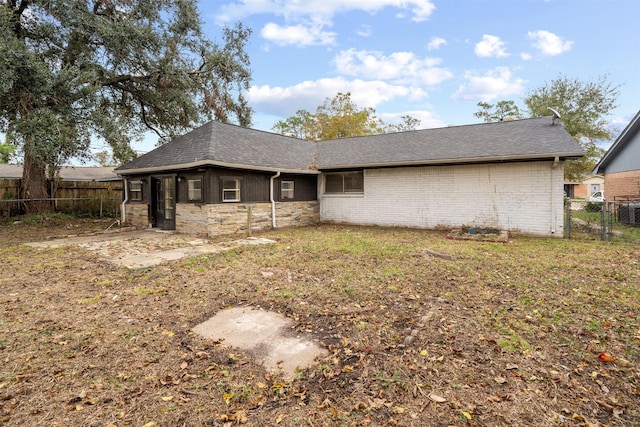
x=164 y=202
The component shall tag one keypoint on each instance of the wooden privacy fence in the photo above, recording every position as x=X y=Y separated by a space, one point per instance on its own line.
x=84 y=198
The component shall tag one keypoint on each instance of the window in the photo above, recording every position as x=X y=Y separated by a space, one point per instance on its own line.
x=286 y=190
x=135 y=190
x=194 y=190
x=230 y=190
x=344 y=182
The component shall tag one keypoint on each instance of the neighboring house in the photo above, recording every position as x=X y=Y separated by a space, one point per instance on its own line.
x=67 y=173
x=221 y=178
x=585 y=188
x=621 y=164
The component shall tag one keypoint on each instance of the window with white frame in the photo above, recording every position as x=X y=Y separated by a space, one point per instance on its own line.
x=286 y=190
x=230 y=190
x=194 y=190
x=135 y=190
x=344 y=182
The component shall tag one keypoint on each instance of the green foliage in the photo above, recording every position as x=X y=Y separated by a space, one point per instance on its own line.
x=6 y=151
x=72 y=71
x=593 y=207
x=584 y=106
x=339 y=117
x=501 y=111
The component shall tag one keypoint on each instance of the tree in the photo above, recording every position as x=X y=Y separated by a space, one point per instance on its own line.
x=408 y=123
x=338 y=117
x=73 y=70
x=503 y=110
x=584 y=106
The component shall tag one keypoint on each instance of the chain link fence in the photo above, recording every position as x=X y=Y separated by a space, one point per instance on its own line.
x=616 y=220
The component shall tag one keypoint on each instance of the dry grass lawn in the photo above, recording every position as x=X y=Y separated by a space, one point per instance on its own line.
x=542 y=332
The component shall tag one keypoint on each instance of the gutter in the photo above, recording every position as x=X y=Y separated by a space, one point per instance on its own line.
x=123 y=213
x=273 y=202
x=201 y=163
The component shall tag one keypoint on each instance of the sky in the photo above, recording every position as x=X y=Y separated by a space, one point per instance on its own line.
x=431 y=59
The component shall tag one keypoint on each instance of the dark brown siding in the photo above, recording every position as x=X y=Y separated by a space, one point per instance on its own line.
x=305 y=187
x=254 y=185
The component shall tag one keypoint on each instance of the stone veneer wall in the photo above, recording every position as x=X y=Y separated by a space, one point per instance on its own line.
x=233 y=218
x=137 y=214
x=192 y=219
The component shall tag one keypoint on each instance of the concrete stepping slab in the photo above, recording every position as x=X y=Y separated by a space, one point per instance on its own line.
x=262 y=334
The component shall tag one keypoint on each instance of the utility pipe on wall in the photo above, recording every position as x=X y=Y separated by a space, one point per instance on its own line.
x=123 y=213
x=273 y=202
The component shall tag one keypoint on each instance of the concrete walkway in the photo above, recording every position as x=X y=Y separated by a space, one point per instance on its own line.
x=146 y=248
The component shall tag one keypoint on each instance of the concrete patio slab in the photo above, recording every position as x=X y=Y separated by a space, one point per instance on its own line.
x=263 y=334
x=146 y=248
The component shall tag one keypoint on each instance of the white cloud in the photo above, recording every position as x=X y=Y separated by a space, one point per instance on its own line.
x=299 y=35
x=548 y=43
x=436 y=43
x=526 y=56
x=420 y=10
x=490 y=46
x=399 y=67
x=308 y=95
x=497 y=83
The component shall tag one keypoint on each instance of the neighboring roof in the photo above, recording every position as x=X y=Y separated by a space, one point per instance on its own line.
x=221 y=144
x=527 y=139
x=625 y=137
x=67 y=173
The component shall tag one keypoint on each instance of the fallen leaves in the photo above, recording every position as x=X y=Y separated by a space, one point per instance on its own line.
x=435 y=398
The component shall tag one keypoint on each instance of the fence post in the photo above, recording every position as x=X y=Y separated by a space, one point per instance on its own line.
x=567 y=218
x=603 y=221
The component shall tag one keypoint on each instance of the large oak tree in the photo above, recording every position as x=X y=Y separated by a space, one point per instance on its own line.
x=72 y=71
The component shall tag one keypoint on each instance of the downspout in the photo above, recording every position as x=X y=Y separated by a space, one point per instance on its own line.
x=123 y=213
x=273 y=202
x=556 y=161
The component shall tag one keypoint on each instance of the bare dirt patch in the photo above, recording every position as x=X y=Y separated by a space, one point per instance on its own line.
x=535 y=332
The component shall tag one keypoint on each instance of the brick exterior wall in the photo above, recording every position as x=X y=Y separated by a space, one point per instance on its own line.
x=622 y=184
x=137 y=214
x=522 y=197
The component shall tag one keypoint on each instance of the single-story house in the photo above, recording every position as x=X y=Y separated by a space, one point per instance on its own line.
x=585 y=188
x=621 y=164
x=222 y=178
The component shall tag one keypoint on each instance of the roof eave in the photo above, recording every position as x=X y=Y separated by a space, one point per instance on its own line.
x=470 y=160
x=617 y=144
x=191 y=165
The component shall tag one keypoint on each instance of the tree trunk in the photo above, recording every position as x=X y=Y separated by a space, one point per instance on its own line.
x=34 y=184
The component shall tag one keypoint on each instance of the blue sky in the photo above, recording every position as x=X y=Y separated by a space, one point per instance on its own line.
x=431 y=59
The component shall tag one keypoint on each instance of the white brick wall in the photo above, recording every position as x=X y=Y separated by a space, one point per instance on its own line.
x=524 y=197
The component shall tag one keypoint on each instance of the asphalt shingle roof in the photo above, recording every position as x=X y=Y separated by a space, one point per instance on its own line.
x=222 y=144
x=227 y=145
x=509 y=140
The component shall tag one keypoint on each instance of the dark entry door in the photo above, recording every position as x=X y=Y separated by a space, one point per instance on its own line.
x=164 y=203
